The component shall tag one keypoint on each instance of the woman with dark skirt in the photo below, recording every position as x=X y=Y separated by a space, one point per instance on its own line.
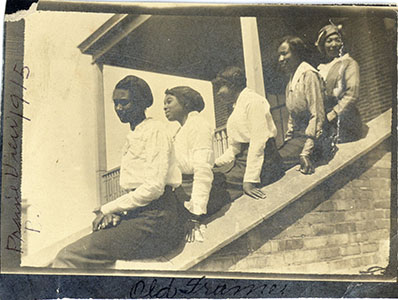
x=144 y=222
x=306 y=139
x=252 y=159
x=193 y=149
x=341 y=75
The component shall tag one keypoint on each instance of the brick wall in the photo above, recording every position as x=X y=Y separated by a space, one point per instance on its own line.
x=373 y=47
x=340 y=227
x=221 y=111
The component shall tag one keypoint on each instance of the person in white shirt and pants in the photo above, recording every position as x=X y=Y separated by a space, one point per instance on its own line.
x=145 y=222
x=252 y=159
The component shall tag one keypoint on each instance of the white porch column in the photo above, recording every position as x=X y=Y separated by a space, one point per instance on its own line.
x=100 y=168
x=252 y=54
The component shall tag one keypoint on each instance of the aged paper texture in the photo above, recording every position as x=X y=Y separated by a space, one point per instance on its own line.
x=308 y=192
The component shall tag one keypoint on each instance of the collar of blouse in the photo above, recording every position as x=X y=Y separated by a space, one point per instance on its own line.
x=302 y=68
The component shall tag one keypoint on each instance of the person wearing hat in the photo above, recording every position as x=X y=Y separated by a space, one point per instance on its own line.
x=144 y=222
x=306 y=139
x=193 y=149
x=252 y=159
x=341 y=75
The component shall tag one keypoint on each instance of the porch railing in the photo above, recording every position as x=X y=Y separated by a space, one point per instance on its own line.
x=220 y=141
x=111 y=185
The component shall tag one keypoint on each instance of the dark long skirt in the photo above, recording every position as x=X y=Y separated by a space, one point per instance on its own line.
x=323 y=150
x=147 y=232
x=272 y=169
x=218 y=196
x=349 y=126
x=291 y=150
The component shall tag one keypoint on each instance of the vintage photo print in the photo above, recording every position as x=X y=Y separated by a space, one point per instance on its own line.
x=229 y=141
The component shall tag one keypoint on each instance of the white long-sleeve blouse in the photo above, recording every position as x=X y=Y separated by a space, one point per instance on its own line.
x=250 y=122
x=194 y=154
x=146 y=167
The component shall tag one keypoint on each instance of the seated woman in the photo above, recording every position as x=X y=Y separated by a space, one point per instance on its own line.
x=193 y=148
x=144 y=222
x=251 y=153
x=341 y=75
x=305 y=134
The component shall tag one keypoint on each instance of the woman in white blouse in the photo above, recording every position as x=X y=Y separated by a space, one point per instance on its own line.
x=144 y=222
x=251 y=153
x=193 y=148
x=193 y=144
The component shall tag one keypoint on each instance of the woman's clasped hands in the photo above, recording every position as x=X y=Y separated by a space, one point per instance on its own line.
x=102 y=221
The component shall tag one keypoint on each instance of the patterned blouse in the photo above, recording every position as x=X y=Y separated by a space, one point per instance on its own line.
x=342 y=82
x=305 y=103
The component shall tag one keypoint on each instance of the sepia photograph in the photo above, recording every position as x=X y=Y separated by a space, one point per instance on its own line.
x=224 y=140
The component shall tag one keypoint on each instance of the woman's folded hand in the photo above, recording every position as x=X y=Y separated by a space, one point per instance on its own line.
x=96 y=225
x=105 y=221
x=306 y=165
x=222 y=161
x=331 y=116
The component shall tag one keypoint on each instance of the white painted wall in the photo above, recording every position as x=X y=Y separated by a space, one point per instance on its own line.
x=116 y=131
x=59 y=143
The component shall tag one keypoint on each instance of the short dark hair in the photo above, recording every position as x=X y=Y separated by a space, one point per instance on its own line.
x=187 y=97
x=233 y=76
x=136 y=86
x=296 y=46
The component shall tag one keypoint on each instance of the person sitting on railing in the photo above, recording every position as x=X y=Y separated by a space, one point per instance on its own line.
x=145 y=222
x=306 y=140
x=193 y=149
x=341 y=74
x=252 y=159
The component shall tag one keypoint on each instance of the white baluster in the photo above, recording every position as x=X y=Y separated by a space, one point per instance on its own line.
x=224 y=139
x=219 y=143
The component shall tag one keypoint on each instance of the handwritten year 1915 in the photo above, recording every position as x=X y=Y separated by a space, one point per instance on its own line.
x=12 y=147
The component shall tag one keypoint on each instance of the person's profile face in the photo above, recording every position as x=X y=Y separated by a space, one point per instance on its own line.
x=173 y=109
x=333 y=44
x=287 y=60
x=124 y=105
x=224 y=92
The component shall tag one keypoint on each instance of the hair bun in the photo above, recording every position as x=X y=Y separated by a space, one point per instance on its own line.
x=188 y=97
